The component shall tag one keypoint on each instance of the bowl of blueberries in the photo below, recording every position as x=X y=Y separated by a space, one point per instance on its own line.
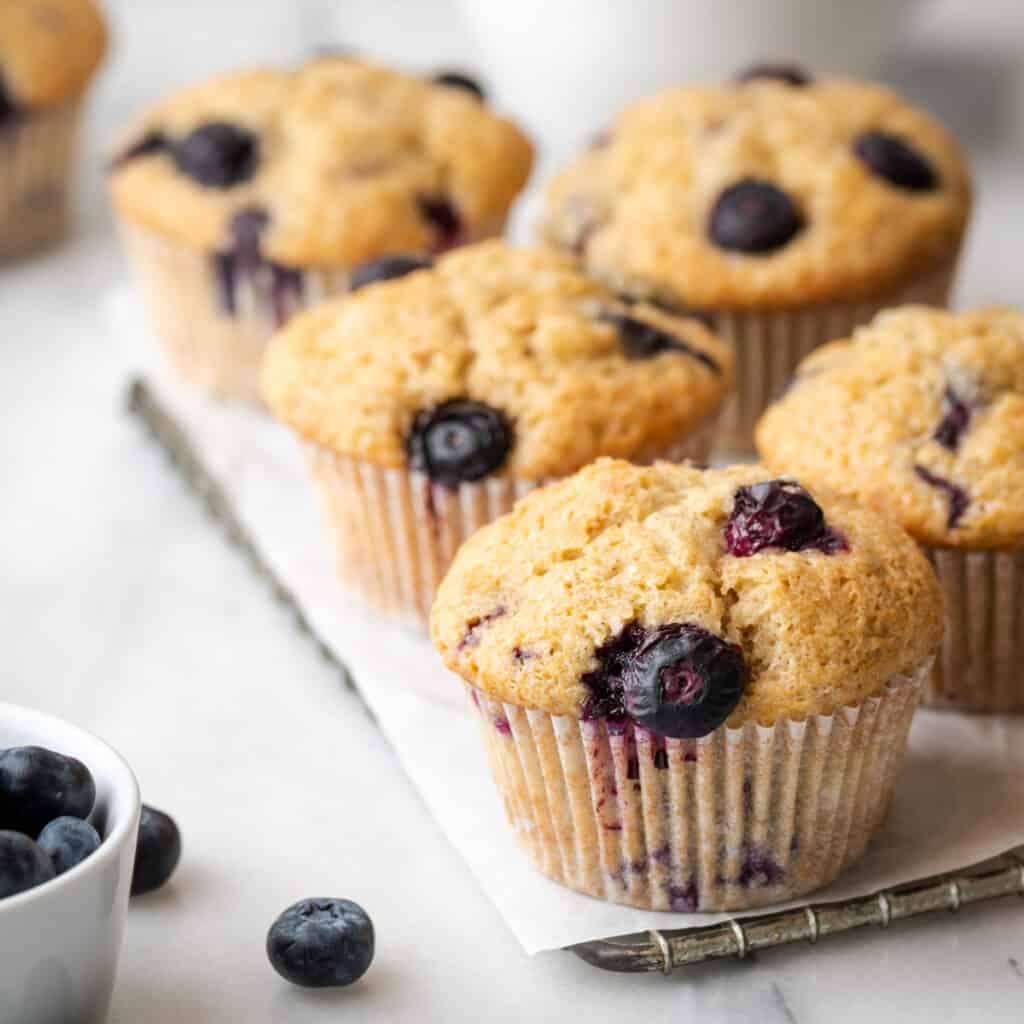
x=69 y=826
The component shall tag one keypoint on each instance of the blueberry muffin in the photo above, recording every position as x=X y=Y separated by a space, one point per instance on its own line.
x=694 y=685
x=786 y=210
x=435 y=395
x=921 y=414
x=254 y=195
x=49 y=50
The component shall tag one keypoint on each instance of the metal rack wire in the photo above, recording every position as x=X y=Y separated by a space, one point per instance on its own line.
x=654 y=951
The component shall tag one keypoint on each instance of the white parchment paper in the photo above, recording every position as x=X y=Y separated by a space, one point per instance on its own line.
x=960 y=799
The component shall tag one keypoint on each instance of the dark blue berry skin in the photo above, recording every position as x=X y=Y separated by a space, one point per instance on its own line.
x=10 y=112
x=157 y=852
x=441 y=215
x=68 y=841
x=958 y=498
x=319 y=943
x=459 y=80
x=754 y=216
x=387 y=268
x=683 y=681
x=641 y=340
x=23 y=865
x=217 y=155
x=38 y=785
x=956 y=418
x=149 y=145
x=459 y=441
x=786 y=73
x=778 y=514
x=894 y=160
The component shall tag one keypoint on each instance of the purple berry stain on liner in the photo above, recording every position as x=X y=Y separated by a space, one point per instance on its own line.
x=958 y=497
x=501 y=723
x=955 y=420
x=642 y=340
x=759 y=869
x=684 y=898
x=778 y=514
x=473 y=626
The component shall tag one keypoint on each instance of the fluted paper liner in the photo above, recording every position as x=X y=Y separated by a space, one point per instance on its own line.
x=738 y=819
x=769 y=344
x=217 y=349
x=36 y=164
x=396 y=532
x=980 y=666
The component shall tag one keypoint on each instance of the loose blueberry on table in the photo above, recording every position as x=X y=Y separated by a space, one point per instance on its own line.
x=387 y=268
x=677 y=680
x=778 y=514
x=754 y=216
x=157 y=852
x=320 y=943
x=459 y=441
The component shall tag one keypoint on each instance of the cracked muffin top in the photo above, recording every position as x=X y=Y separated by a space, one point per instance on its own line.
x=684 y=598
x=344 y=160
x=49 y=50
x=920 y=414
x=769 y=192
x=494 y=360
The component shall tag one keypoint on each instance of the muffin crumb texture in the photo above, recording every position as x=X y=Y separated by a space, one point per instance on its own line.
x=49 y=50
x=343 y=160
x=763 y=194
x=540 y=369
x=827 y=608
x=920 y=414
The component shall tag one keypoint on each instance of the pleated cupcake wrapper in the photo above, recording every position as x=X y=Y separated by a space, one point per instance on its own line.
x=396 y=532
x=769 y=345
x=214 y=343
x=36 y=164
x=740 y=818
x=981 y=663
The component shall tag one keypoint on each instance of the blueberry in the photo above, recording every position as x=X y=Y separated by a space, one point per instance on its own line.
x=605 y=699
x=68 y=841
x=157 y=852
x=458 y=80
x=778 y=514
x=458 y=441
x=754 y=216
x=956 y=419
x=149 y=145
x=38 y=785
x=317 y=943
x=387 y=268
x=217 y=155
x=787 y=73
x=896 y=161
x=683 y=681
x=642 y=340
x=9 y=110
x=23 y=865
x=956 y=495
x=442 y=216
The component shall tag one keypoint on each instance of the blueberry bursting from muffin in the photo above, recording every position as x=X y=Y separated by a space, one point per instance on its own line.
x=680 y=679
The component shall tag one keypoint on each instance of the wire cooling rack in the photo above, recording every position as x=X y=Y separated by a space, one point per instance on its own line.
x=645 y=952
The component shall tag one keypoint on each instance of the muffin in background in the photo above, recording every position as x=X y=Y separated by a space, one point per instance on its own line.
x=785 y=210
x=254 y=195
x=694 y=686
x=49 y=50
x=430 y=403
x=921 y=414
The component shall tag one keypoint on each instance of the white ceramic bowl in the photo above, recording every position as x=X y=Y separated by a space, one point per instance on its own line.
x=59 y=942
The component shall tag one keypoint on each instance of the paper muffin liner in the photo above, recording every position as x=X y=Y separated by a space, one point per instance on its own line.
x=396 y=531
x=36 y=176
x=214 y=315
x=769 y=345
x=738 y=819
x=980 y=666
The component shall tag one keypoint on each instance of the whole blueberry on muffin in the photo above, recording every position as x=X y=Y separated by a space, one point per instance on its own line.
x=785 y=208
x=694 y=685
x=432 y=400
x=49 y=51
x=921 y=414
x=256 y=194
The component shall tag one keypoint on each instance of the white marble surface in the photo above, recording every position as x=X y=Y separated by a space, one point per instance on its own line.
x=125 y=611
